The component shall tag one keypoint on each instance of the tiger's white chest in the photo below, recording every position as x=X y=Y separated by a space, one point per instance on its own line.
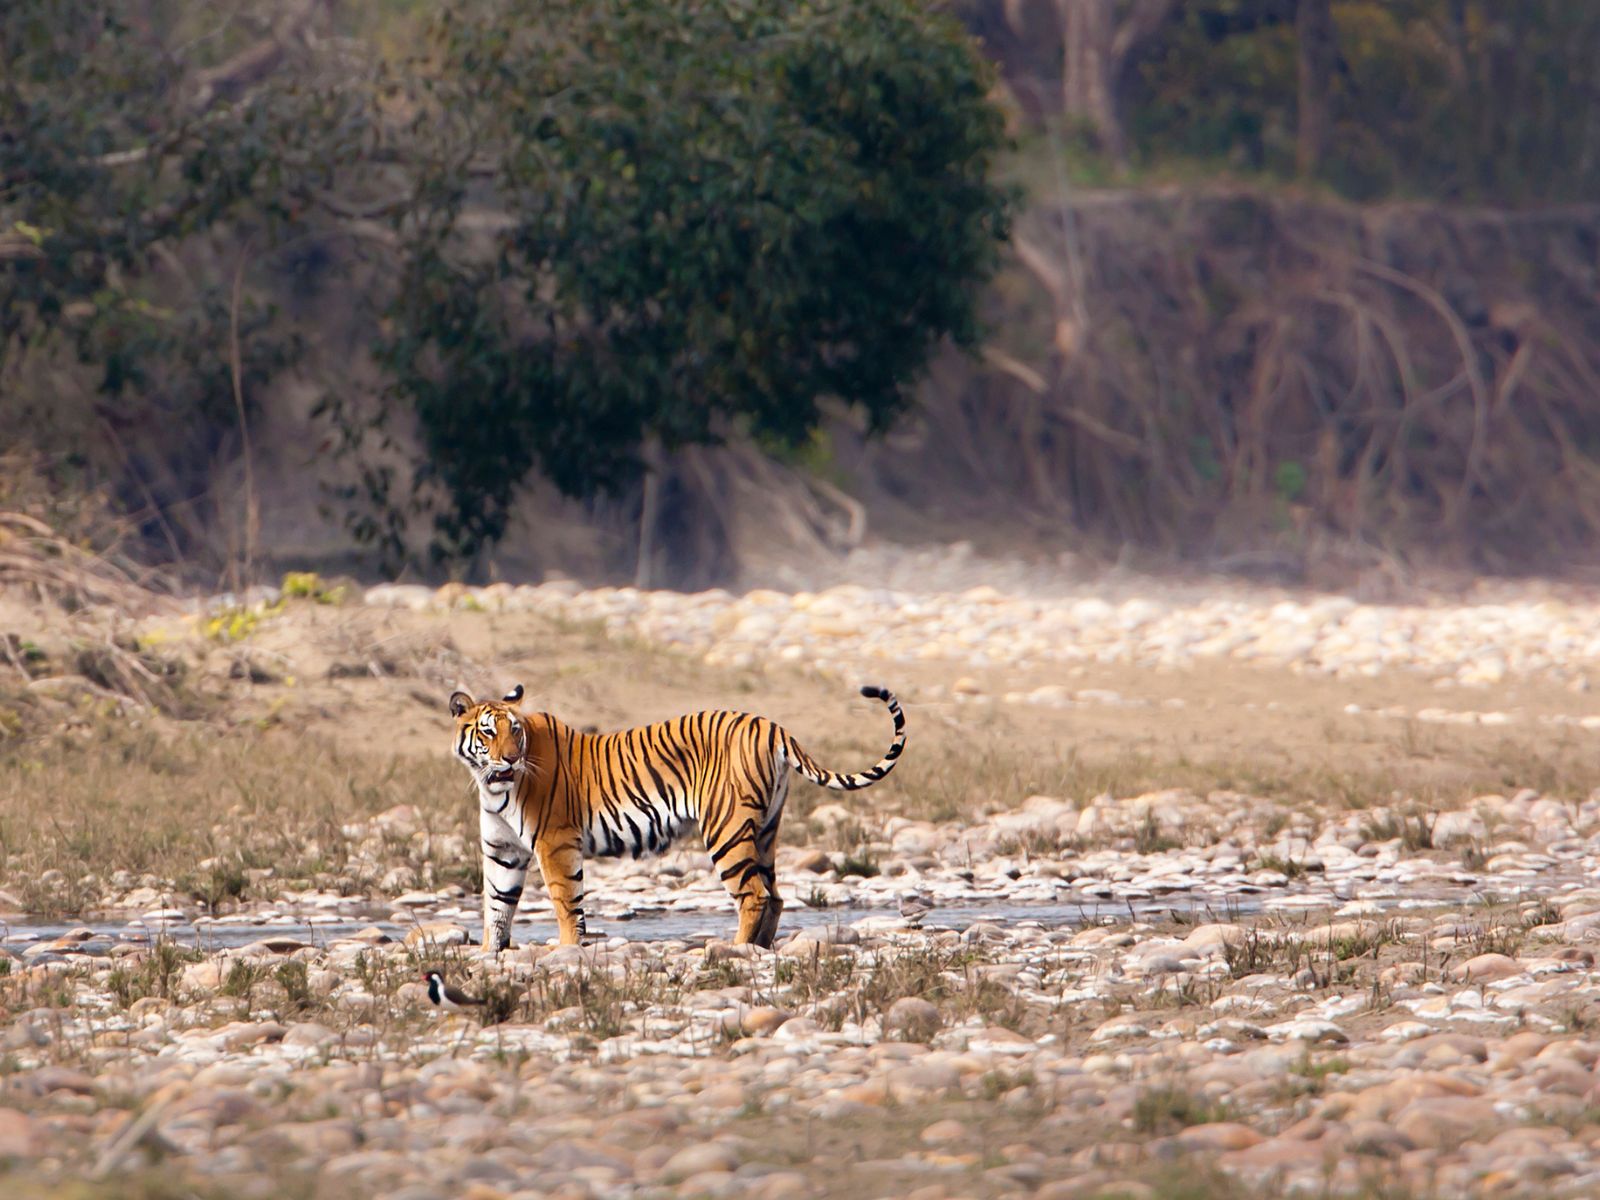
x=634 y=828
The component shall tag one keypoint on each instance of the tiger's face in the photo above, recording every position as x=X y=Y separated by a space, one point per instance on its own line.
x=491 y=739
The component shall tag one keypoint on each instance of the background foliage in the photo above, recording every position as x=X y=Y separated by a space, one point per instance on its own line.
x=138 y=178
x=1452 y=99
x=571 y=240
x=1483 y=100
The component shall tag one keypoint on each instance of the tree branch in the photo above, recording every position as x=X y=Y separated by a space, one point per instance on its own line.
x=227 y=80
x=1040 y=265
x=1144 y=21
x=14 y=249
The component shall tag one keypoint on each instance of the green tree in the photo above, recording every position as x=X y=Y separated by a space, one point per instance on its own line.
x=665 y=221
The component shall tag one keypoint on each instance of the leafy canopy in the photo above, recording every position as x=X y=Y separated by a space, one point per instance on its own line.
x=664 y=220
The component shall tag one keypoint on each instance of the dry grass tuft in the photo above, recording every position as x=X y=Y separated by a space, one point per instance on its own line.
x=1167 y=1109
x=217 y=816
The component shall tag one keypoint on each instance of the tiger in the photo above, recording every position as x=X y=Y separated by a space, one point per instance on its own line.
x=551 y=792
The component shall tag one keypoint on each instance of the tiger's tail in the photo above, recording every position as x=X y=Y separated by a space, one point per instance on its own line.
x=807 y=766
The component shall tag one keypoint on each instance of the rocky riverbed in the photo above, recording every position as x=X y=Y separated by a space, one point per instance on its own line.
x=1406 y=1003
x=1474 y=641
x=1446 y=1053
x=1187 y=968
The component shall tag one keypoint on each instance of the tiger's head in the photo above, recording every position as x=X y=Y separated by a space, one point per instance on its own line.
x=491 y=739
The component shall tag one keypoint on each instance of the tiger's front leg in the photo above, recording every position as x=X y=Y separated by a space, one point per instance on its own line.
x=505 y=868
x=562 y=864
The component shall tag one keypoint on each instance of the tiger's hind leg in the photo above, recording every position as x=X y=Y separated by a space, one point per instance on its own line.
x=760 y=906
x=744 y=849
x=768 y=929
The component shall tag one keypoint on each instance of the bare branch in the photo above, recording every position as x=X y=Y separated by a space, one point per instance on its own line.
x=1144 y=21
x=252 y=510
x=1043 y=268
x=227 y=80
x=16 y=249
x=1018 y=370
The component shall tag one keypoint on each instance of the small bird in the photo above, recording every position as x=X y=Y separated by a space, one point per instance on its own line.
x=914 y=906
x=441 y=995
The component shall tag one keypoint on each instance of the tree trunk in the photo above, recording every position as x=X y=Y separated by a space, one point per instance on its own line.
x=1088 y=72
x=644 y=574
x=1455 y=37
x=1097 y=50
x=1318 y=52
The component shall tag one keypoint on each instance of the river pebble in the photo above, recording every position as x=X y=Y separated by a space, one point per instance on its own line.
x=1476 y=641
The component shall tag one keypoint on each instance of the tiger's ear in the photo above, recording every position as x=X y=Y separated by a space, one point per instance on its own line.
x=514 y=696
x=459 y=703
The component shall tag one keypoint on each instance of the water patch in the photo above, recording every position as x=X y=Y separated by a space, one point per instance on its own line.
x=694 y=927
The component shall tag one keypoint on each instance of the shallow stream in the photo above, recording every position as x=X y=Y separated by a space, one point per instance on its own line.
x=693 y=927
